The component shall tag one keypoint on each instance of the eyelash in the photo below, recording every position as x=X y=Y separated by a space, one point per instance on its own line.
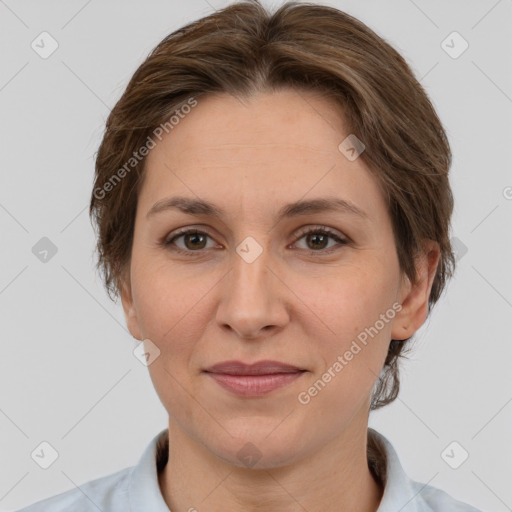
x=323 y=230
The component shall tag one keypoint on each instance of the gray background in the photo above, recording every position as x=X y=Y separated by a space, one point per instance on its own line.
x=67 y=372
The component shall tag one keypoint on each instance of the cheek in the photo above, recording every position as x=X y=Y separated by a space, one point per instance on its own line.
x=171 y=313
x=358 y=309
x=351 y=360
x=169 y=299
x=352 y=298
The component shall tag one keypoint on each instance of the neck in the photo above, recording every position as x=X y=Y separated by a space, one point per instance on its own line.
x=195 y=479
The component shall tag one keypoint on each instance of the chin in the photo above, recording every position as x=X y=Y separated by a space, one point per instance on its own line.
x=258 y=447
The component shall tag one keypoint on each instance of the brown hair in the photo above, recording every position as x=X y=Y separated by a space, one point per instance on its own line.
x=243 y=49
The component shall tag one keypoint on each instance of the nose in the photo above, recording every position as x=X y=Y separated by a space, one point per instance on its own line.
x=253 y=298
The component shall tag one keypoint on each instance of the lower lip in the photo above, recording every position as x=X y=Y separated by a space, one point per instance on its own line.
x=254 y=385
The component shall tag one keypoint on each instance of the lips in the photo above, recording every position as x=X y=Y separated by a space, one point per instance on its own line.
x=253 y=380
x=266 y=367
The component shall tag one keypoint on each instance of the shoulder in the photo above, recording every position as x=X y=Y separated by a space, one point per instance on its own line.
x=106 y=493
x=400 y=491
x=437 y=500
x=134 y=488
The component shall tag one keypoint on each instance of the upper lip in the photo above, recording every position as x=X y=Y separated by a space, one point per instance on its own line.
x=259 y=368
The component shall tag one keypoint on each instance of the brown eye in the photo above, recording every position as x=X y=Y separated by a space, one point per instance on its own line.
x=193 y=241
x=317 y=240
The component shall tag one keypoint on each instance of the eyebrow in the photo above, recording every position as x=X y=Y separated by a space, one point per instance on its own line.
x=304 y=207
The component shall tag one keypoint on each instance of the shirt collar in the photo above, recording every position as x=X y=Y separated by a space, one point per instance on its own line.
x=144 y=490
x=400 y=492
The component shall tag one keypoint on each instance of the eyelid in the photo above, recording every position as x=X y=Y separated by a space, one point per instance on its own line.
x=312 y=229
x=340 y=239
x=189 y=230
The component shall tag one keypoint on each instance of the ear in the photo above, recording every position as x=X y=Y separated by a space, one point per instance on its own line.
x=414 y=297
x=130 y=313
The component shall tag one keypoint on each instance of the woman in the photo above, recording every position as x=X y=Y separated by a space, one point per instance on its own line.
x=273 y=208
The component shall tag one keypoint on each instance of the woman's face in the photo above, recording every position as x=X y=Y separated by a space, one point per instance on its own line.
x=252 y=285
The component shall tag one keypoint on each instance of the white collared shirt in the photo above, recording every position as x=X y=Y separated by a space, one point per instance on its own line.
x=136 y=489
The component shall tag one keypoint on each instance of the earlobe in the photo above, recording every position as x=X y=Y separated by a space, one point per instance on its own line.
x=416 y=295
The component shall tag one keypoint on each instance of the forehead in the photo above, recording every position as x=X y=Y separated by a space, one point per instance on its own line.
x=281 y=145
x=286 y=117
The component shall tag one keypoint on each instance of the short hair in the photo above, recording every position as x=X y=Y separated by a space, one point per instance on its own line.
x=244 y=49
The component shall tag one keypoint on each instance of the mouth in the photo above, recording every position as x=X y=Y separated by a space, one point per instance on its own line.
x=266 y=367
x=253 y=380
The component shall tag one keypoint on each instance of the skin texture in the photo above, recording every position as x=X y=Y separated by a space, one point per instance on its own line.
x=299 y=302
